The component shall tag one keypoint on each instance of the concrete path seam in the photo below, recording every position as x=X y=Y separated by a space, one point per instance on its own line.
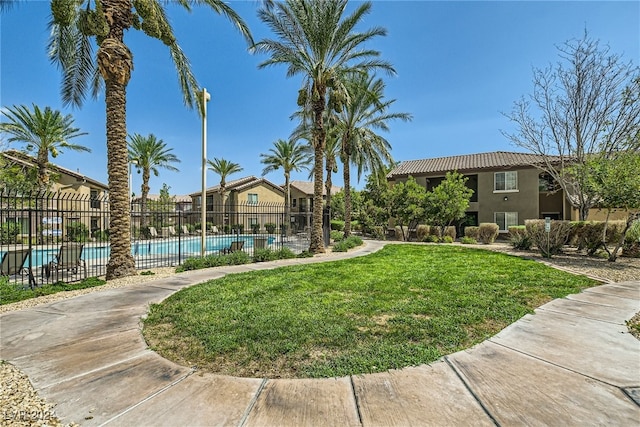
x=573 y=371
x=470 y=390
x=252 y=403
x=562 y=313
x=101 y=368
x=151 y=396
x=356 y=399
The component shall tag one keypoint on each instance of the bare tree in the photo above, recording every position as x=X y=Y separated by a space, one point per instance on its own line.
x=588 y=103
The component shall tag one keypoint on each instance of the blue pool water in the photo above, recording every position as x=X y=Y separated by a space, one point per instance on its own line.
x=189 y=246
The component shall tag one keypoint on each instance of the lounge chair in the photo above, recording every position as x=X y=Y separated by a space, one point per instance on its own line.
x=153 y=232
x=69 y=259
x=236 y=246
x=185 y=230
x=214 y=229
x=13 y=263
x=172 y=231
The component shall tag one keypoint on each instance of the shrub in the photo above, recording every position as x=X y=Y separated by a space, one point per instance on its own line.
x=337 y=236
x=78 y=232
x=551 y=243
x=422 y=231
x=305 y=254
x=631 y=246
x=101 y=235
x=285 y=253
x=430 y=238
x=450 y=231
x=472 y=232
x=262 y=255
x=519 y=238
x=447 y=239
x=270 y=227
x=346 y=244
x=588 y=234
x=9 y=233
x=238 y=228
x=487 y=232
x=468 y=241
x=337 y=225
x=255 y=228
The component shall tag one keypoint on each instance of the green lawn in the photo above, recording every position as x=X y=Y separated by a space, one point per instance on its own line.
x=404 y=305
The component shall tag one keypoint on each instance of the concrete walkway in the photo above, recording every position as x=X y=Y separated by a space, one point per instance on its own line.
x=572 y=363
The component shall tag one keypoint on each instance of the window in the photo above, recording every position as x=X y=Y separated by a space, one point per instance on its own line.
x=252 y=199
x=505 y=220
x=95 y=202
x=293 y=202
x=505 y=181
x=253 y=221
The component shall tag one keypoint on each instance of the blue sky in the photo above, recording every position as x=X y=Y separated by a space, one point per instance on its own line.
x=459 y=65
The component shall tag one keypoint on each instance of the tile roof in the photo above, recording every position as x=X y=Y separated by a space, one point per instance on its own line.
x=306 y=187
x=240 y=184
x=30 y=161
x=156 y=197
x=467 y=162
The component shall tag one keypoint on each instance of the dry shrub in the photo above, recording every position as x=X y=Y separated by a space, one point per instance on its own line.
x=487 y=232
x=422 y=231
x=551 y=243
x=471 y=232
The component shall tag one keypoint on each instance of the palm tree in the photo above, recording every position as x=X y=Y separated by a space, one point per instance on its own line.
x=44 y=132
x=223 y=168
x=365 y=112
x=74 y=23
x=290 y=156
x=317 y=42
x=148 y=154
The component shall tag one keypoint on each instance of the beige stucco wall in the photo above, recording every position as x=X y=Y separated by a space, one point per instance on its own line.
x=524 y=201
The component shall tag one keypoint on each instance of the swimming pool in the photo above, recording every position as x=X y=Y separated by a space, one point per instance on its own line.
x=185 y=247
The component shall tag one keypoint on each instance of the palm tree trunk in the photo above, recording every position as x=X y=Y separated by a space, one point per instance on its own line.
x=316 y=245
x=346 y=176
x=121 y=261
x=43 y=173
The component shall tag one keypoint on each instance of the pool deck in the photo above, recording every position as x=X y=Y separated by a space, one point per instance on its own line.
x=573 y=362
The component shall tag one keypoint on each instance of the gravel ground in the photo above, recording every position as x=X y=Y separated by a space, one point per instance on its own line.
x=21 y=406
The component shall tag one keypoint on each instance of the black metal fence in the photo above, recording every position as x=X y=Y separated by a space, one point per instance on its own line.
x=47 y=237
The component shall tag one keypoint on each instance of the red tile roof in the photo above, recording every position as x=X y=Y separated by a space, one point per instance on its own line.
x=467 y=162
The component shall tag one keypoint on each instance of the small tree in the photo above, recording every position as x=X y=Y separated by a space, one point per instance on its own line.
x=448 y=201
x=587 y=104
x=408 y=202
x=617 y=182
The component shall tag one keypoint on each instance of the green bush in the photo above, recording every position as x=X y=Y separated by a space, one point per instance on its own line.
x=447 y=239
x=346 y=244
x=631 y=246
x=285 y=253
x=519 y=239
x=336 y=235
x=262 y=255
x=588 y=234
x=472 y=232
x=237 y=228
x=255 y=228
x=305 y=254
x=77 y=232
x=9 y=233
x=270 y=227
x=13 y=293
x=551 y=243
x=487 y=232
x=216 y=260
x=101 y=235
x=337 y=225
x=431 y=238
x=468 y=241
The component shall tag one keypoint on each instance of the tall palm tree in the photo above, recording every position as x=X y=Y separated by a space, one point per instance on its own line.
x=290 y=156
x=73 y=25
x=365 y=113
x=44 y=132
x=318 y=42
x=224 y=168
x=148 y=154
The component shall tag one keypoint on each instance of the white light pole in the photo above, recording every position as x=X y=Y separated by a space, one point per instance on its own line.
x=203 y=198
